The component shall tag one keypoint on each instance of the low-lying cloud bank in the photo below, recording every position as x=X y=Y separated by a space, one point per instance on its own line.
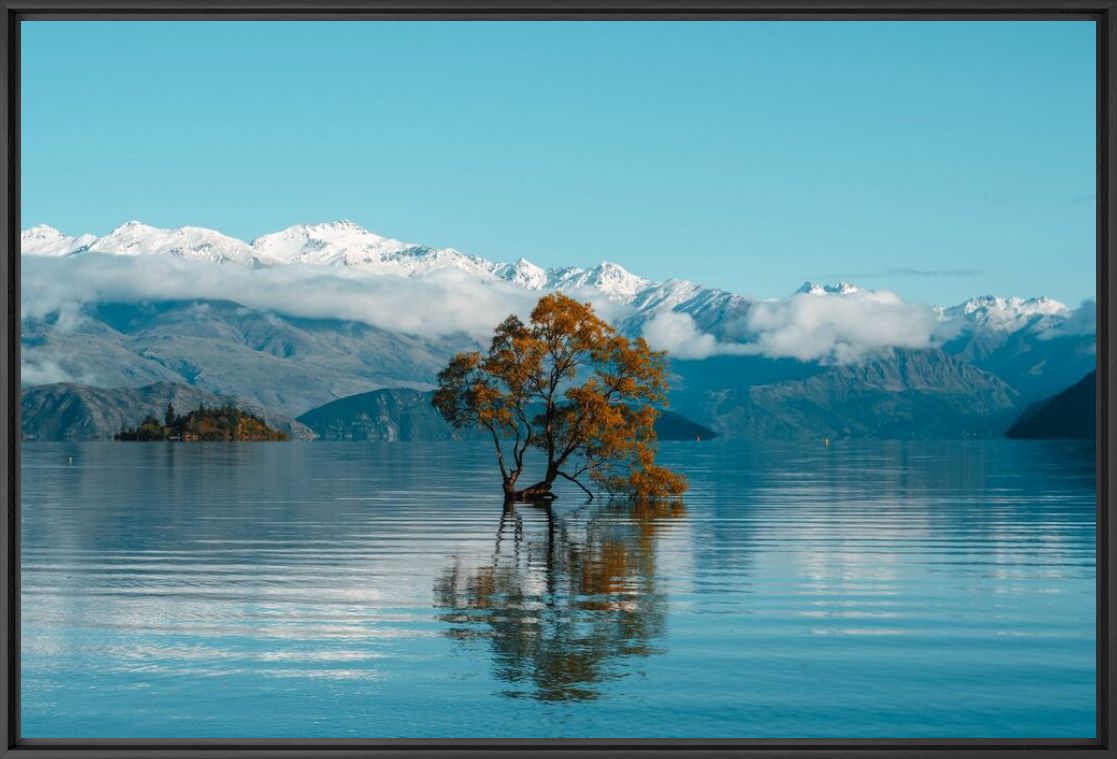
x=446 y=302
x=835 y=328
x=38 y=371
x=678 y=334
x=842 y=328
x=828 y=328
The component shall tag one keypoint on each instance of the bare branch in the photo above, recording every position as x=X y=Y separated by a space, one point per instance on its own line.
x=499 y=452
x=577 y=482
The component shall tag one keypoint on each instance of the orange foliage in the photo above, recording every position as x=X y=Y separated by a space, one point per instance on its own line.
x=567 y=384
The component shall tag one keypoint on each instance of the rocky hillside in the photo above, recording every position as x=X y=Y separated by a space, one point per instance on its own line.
x=285 y=364
x=904 y=394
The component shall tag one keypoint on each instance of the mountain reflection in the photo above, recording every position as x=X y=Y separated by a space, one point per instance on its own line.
x=566 y=599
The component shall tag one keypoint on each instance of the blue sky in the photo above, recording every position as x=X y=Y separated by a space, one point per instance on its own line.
x=938 y=159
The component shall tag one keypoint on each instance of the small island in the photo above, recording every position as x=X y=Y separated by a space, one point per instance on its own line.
x=221 y=424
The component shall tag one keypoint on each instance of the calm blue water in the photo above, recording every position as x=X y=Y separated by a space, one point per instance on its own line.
x=940 y=589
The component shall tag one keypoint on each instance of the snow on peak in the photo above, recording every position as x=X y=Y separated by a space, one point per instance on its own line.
x=340 y=225
x=1007 y=314
x=334 y=243
x=347 y=245
x=192 y=243
x=523 y=273
x=813 y=288
x=41 y=231
x=341 y=243
x=613 y=280
x=43 y=240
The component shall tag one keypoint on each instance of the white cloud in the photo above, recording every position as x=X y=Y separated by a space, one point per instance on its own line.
x=840 y=328
x=678 y=334
x=42 y=373
x=1081 y=321
x=832 y=328
x=442 y=303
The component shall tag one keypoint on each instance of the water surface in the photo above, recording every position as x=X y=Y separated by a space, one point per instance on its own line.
x=922 y=589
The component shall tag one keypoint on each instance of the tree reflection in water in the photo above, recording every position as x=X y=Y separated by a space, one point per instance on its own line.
x=565 y=600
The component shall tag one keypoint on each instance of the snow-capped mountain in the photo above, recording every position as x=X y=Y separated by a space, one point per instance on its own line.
x=607 y=277
x=277 y=329
x=42 y=240
x=525 y=274
x=814 y=288
x=346 y=245
x=1008 y=314
x=341 y=244
x=193 y=243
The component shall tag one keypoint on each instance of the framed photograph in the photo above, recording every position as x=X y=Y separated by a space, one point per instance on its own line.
x=636 y=377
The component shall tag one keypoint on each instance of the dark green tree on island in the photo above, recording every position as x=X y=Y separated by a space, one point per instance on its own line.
x=223 y=423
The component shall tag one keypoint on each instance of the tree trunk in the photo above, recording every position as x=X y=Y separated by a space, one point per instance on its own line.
x=540 y=491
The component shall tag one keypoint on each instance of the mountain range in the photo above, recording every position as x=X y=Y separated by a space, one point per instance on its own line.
x=339 y=244
x=401 y=414
x=314 y=313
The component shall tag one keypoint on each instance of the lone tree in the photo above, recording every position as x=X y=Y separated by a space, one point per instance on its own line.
x=568 y=385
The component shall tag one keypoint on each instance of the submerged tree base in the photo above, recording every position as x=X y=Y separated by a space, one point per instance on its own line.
x=530 y=495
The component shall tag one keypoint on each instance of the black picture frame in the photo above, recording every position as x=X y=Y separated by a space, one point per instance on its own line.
x=14 y=11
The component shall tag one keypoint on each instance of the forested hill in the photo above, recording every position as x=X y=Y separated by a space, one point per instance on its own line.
x=1070 y=414
x=224 y=423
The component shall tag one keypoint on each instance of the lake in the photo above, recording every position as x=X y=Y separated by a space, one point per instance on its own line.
x=348 y=590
